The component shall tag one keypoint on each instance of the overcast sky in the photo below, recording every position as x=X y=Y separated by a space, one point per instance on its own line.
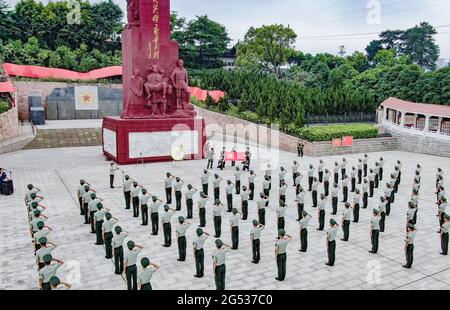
x=314 y=19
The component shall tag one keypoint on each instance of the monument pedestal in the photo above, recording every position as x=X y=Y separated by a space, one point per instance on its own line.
x=133 y=141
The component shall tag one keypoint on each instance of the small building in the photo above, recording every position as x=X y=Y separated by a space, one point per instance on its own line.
x=229 y=58
x=419 y=127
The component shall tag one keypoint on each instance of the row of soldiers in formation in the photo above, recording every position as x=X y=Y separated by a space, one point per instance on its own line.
x=371 y=181
x=47 y=265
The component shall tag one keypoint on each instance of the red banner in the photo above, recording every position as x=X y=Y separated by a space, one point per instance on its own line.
x=234 y=156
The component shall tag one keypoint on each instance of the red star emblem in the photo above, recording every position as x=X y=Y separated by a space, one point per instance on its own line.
x=86 y=98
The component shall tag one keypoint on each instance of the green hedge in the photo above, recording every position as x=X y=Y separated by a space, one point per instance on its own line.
x=4 y=106
x=328 y=133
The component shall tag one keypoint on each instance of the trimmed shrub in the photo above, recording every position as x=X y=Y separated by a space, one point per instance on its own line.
x=328 y=133
x=4 y=106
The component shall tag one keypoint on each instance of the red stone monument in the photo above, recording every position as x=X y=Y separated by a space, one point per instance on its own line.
x=158 y=121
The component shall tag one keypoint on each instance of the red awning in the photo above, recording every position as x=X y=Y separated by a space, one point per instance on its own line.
x=417 y=108
x=7 y=87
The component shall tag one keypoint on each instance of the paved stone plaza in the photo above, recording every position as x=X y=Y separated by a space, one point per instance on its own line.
x=58 y=171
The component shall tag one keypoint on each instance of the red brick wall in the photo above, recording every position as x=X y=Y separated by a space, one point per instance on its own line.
x=24 y=89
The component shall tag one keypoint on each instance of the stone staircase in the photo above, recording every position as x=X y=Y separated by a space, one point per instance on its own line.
x=70 y=137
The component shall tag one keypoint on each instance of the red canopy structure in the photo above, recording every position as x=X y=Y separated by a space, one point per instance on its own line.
x=38 y=72
x=7 y=87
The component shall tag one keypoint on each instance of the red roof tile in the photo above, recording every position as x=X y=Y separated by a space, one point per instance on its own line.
x=419 y=108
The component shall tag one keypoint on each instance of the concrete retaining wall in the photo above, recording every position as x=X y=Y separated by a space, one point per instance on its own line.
x=230 y=126
x=420 y=144
x=9 y=124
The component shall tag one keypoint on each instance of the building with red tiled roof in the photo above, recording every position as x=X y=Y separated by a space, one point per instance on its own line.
x=426 y=120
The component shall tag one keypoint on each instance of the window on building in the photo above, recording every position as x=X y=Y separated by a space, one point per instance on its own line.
x=445 y=127
x=420 y=122
x=434 y=124
x=409 y=120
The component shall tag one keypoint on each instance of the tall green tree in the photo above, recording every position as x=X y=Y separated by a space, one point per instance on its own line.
x=271 y=46
x=204 y=42
x=419 y=45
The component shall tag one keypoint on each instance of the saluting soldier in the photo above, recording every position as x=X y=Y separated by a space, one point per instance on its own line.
x=127 y=191
x=167 y=227
x=168 y=182
x=326 y=183
x=93 y=208
x=216 y=186
x=409 y=245
x=266 y=186
x=344 y=168
x=377 y=175
x=181 y=238
x=440 y=192
x=321 y=212
x=80 y=192
x=331 y=242
x=229 y=191
x=360 y=170
x=320 y=169
x=315 y=188
x=444 y=234
x=86 y=199
x=396 y=176
x=375 y=231
x=335 y=198
x=112 y=172
x=31 y=189
x=48 y=271
x=353 y=179
x=244 y=202
x=399 y=165
x=98 y=219
x=283 y=189
x=382 y=209
x=439 y=177
x=189 y=200
x=282 y=176
x=411 y=213
x=143 y=199
x=295 y=168
x=107 y=228
x=300 y=202
x=303 y=228
x=154 y=214
x=37 y=217
x=336 y=172
x=178 y=185
x=219 y=267
x=255 y=236
x=210 y=156
x=268 y=175
x=146 y=274
x=234 y=228
x=251 y=184
x=261 y=205
x=366 y=163
x=135 y=191
x=365 y=189
x=117 y=242
x=442 y=208
x=205 y=181
x=43 y=231
x=202 y=209
x=46 y=247
x=356 y=206
x=130 y=265
x=217 y=214
x=55 y=283
x=371 y=182
x=388 y=193
x=310 y=177
x=280 y=253
x=281 y=211
x=199 y=253
x=298 y=180
x=237 y=180
x=346 y=218
x=345 y=189
x=381 y=162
